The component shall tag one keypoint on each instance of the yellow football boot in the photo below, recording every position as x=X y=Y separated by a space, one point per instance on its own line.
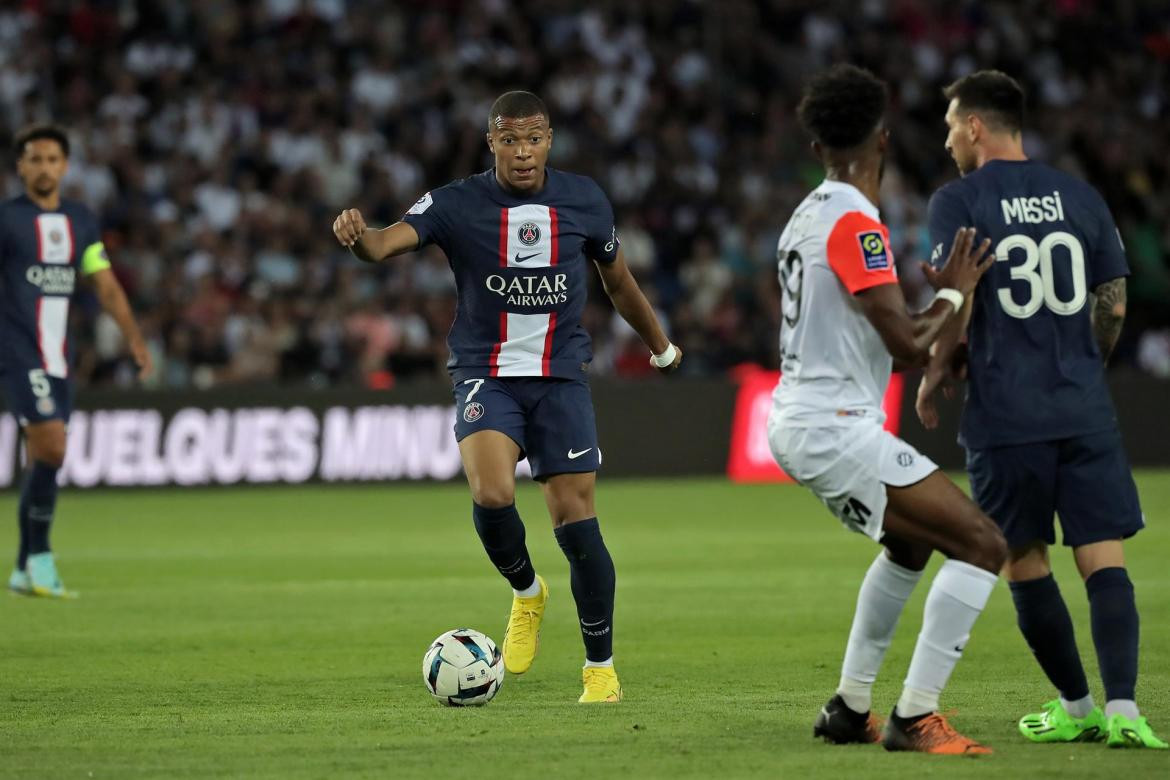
x=601 y=685
x=522 y=637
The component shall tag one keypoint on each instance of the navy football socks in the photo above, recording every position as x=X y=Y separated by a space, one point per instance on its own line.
x=22 y=526
x=502 y=533
x=1114 y=616
x=38 y=502
x=1048 y=628
x=593 y=580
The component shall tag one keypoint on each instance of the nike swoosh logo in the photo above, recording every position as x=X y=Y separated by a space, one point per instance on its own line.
x=575 y=455
x=520 y=259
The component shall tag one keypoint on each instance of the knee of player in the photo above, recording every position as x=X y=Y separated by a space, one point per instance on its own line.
x=989 y=544
x=571 y=505
x=492 y=496
x=52 y=454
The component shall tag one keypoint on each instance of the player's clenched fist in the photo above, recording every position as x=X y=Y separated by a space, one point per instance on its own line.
x=349 y=227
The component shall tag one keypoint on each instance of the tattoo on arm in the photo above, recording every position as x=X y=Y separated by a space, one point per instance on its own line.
x=1108 y=315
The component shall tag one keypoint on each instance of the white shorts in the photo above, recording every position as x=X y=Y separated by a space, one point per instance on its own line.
x=847 y=465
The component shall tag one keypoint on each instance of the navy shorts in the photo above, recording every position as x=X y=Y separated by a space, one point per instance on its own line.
x=1085 y=480
x=550 y=419
x=34 y=397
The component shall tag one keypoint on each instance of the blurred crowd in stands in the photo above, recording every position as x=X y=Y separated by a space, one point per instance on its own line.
x=217 y=141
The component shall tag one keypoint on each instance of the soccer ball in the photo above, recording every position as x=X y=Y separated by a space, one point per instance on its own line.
x=463 y=668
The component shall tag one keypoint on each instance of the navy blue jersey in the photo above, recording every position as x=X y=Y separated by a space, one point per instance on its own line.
x=1035 y=372
x=41 y=255
x=521 y=268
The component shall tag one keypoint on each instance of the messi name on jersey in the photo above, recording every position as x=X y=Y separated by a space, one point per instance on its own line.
x=527 y=290
x=1033 y=210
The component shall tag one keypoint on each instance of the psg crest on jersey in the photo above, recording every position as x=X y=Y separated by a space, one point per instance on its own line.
x=528 y=233
x=473 y=411
x=56 y=236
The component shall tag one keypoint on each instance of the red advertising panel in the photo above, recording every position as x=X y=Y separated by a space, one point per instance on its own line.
x=751 y=459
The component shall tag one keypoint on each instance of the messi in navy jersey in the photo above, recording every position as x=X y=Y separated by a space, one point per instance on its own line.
x=1039 y=425
x=47 y=244
x=519 y=238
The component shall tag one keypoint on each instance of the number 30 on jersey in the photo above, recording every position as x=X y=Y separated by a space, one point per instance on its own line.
x=1038 y=271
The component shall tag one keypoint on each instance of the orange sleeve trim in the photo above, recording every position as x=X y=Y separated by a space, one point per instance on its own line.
x=859 y=252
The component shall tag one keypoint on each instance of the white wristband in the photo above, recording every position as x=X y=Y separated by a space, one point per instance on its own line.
x=666 y=358
x=951 y=295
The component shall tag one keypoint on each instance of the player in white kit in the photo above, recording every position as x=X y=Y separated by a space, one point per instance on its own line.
x=845 y=328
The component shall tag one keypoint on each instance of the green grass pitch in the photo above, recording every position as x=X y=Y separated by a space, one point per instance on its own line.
x=279 y=633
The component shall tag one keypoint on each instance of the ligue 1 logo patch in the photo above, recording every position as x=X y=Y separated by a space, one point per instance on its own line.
x=472 y=412
x=873 y=250
x=528 y=233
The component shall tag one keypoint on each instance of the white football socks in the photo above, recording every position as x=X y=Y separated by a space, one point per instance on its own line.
x=880 y=600
x=530 y=591
x=1079 y=708
x=1126 y=707
x=957 y=596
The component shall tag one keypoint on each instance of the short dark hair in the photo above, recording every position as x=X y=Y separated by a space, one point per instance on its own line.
x=842 y=106
x=41 y=132
x=994 y=95
x=516 y=104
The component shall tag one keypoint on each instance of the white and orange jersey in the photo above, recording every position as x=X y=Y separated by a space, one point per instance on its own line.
x=833 y=361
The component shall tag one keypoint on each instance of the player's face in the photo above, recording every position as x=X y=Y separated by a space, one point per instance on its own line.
x=521 y=148
x=960 y=144
x=42 y=166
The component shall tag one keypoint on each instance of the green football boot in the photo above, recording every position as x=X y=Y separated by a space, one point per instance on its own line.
x=1054 y=724
x=1124 y=732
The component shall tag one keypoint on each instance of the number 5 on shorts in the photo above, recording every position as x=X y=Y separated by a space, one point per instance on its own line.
x=39 y=383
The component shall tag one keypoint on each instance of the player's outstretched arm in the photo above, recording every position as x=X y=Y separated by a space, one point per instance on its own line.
x=627 y=297
x=113 y=299
x=948 y=363
x=908 y=337
x=1108 y=314
x=373 y=246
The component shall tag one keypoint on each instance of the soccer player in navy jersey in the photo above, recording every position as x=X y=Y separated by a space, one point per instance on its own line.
x=517 y=237
x=45 y=241
x=1039 y=425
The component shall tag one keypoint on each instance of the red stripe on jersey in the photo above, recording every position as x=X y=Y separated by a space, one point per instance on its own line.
x=552 y=326
x=72 y=245
x=552 y=228
x=503 y=239
x=859 y=252
x=40 y=344
x=40 y=249
x=494 y=360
